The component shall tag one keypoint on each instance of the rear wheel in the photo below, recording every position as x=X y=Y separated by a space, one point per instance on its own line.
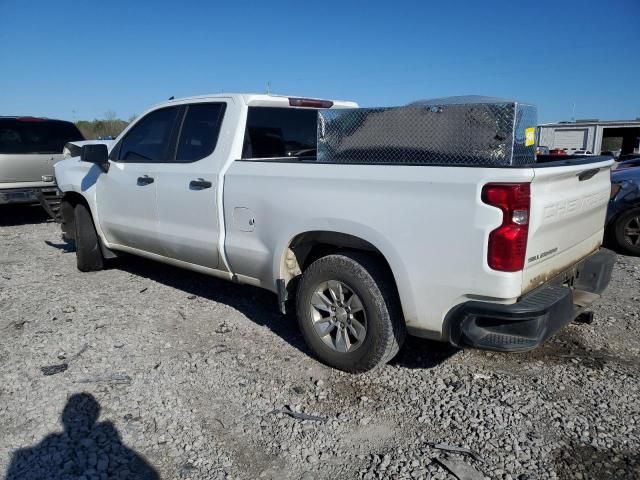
x=88 y=253
x=349 y=313
x=627 y=231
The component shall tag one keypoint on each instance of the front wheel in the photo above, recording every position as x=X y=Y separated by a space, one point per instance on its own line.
x=349 y=313
x=627 y=231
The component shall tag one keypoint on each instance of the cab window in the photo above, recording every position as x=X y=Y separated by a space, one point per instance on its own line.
x=199 y=132
x=280 y=132
x=149 y=140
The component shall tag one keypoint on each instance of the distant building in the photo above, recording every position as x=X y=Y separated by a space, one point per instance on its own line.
x=617 y=136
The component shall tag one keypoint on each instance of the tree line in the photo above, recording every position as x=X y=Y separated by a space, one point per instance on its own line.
x=109 y=126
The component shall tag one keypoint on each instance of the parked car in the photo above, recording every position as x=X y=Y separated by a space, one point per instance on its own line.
x=628 y=156
x=623 y=215
x=229 y=185
x=634 y=162
x=29 y=148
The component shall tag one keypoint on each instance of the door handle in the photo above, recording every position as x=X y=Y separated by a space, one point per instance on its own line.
x=146 y=180
x=199 y=184
x=587 y=174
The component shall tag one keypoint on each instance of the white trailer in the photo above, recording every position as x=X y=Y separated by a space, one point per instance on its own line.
x=619 y=137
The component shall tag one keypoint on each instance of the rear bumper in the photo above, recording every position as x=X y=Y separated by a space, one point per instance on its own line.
x=537 y=315
x=12 y=196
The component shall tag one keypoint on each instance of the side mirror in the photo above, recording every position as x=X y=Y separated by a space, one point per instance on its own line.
x=98 y=154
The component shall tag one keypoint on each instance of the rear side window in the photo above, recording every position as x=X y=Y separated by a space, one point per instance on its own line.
x=36 y=135
x=200 y=130
x=150 y=138
x=280 y=132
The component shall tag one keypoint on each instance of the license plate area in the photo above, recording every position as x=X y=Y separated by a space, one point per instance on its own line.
x=24 y=196
x=569 y=277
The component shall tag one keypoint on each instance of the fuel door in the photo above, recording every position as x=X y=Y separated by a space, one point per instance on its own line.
x=243 y=219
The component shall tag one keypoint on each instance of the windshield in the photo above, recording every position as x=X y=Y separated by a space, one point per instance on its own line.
x=36 y=136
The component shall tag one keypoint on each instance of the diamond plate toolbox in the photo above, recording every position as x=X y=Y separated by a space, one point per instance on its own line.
x=455 y=131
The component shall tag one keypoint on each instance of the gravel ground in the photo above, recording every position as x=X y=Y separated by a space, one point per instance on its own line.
x=146 y=371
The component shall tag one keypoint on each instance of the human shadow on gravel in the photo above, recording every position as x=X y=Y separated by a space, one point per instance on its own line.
x=85 y=449
x=14 y=215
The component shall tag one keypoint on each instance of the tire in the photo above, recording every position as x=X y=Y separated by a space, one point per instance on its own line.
x=626 y=231
x=88 y=253
x=375 y=305
x=68 y=212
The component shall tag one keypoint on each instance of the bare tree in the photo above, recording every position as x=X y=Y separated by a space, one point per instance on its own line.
x=111 y=127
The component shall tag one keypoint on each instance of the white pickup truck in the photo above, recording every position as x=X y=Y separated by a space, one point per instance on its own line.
x=229 y=185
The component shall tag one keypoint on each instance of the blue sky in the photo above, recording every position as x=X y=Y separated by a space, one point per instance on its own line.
x=78 y=59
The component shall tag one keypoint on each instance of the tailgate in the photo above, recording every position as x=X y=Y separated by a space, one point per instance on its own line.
x=568 y=210
x=26 y=167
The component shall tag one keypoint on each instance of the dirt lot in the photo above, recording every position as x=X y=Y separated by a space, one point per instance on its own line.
x=185 y=373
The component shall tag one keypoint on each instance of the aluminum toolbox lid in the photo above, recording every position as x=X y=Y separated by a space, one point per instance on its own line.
x=468 y=131
x=462 y=100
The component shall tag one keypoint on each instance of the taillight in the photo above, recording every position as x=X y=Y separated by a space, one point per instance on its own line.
x=310 y=102
x=508 y=242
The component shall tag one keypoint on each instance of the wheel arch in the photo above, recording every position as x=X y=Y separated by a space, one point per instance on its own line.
x=69 y=201
x=611 y=230
x=309 y=246
x=306 y=247
x=620 y=209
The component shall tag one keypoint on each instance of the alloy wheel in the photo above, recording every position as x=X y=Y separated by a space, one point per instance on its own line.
x=632 y=231
x=338 y=316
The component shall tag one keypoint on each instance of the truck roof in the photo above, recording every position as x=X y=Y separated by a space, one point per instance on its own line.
x=259 y=99
x=30 y=118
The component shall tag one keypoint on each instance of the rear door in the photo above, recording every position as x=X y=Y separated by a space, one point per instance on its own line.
x=568 y=210
x=29 y=147
x=187 y=186
x=126 y=194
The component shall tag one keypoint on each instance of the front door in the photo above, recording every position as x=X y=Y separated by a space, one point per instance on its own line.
x=126 y=193
x=187 y=187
